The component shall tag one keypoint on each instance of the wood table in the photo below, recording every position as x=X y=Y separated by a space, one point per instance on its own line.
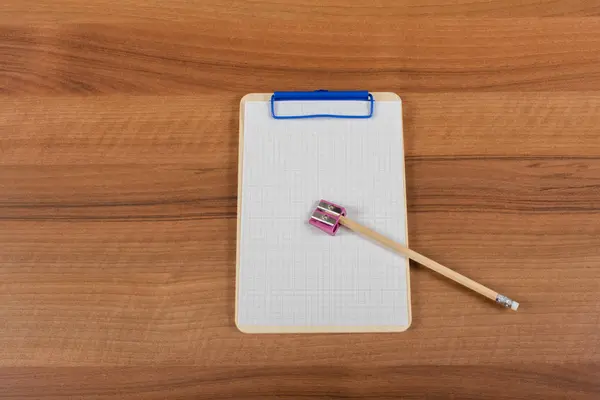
x=118 y=145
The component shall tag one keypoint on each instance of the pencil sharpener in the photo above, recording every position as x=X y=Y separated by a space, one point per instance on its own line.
x=326 y=217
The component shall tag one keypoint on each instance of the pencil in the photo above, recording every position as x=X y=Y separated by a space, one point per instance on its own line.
x=429 y=263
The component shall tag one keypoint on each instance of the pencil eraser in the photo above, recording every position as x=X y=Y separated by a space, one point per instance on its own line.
x=514 y=305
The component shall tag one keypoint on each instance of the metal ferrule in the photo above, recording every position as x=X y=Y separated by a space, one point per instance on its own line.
x=503 y=300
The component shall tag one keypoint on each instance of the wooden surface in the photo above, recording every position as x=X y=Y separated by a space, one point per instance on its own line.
x=118 y=144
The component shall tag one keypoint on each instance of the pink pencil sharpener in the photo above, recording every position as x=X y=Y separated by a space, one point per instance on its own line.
x=326 y=217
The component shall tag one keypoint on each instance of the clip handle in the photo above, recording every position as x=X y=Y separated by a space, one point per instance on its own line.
x=323 y=95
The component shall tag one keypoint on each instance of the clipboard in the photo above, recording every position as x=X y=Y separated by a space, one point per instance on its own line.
x=294 y=149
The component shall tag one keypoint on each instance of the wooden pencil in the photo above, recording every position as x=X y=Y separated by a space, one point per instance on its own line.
x=429 y=263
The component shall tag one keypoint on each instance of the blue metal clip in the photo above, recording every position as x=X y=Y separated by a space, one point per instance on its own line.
x=323 y=95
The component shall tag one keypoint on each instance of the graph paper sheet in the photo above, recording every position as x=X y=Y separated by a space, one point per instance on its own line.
x=291 y=277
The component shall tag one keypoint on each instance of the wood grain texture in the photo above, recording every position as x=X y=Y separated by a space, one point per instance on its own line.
x=217 y=55
x=118 y=182
x=184 y=10
x=286 y=382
